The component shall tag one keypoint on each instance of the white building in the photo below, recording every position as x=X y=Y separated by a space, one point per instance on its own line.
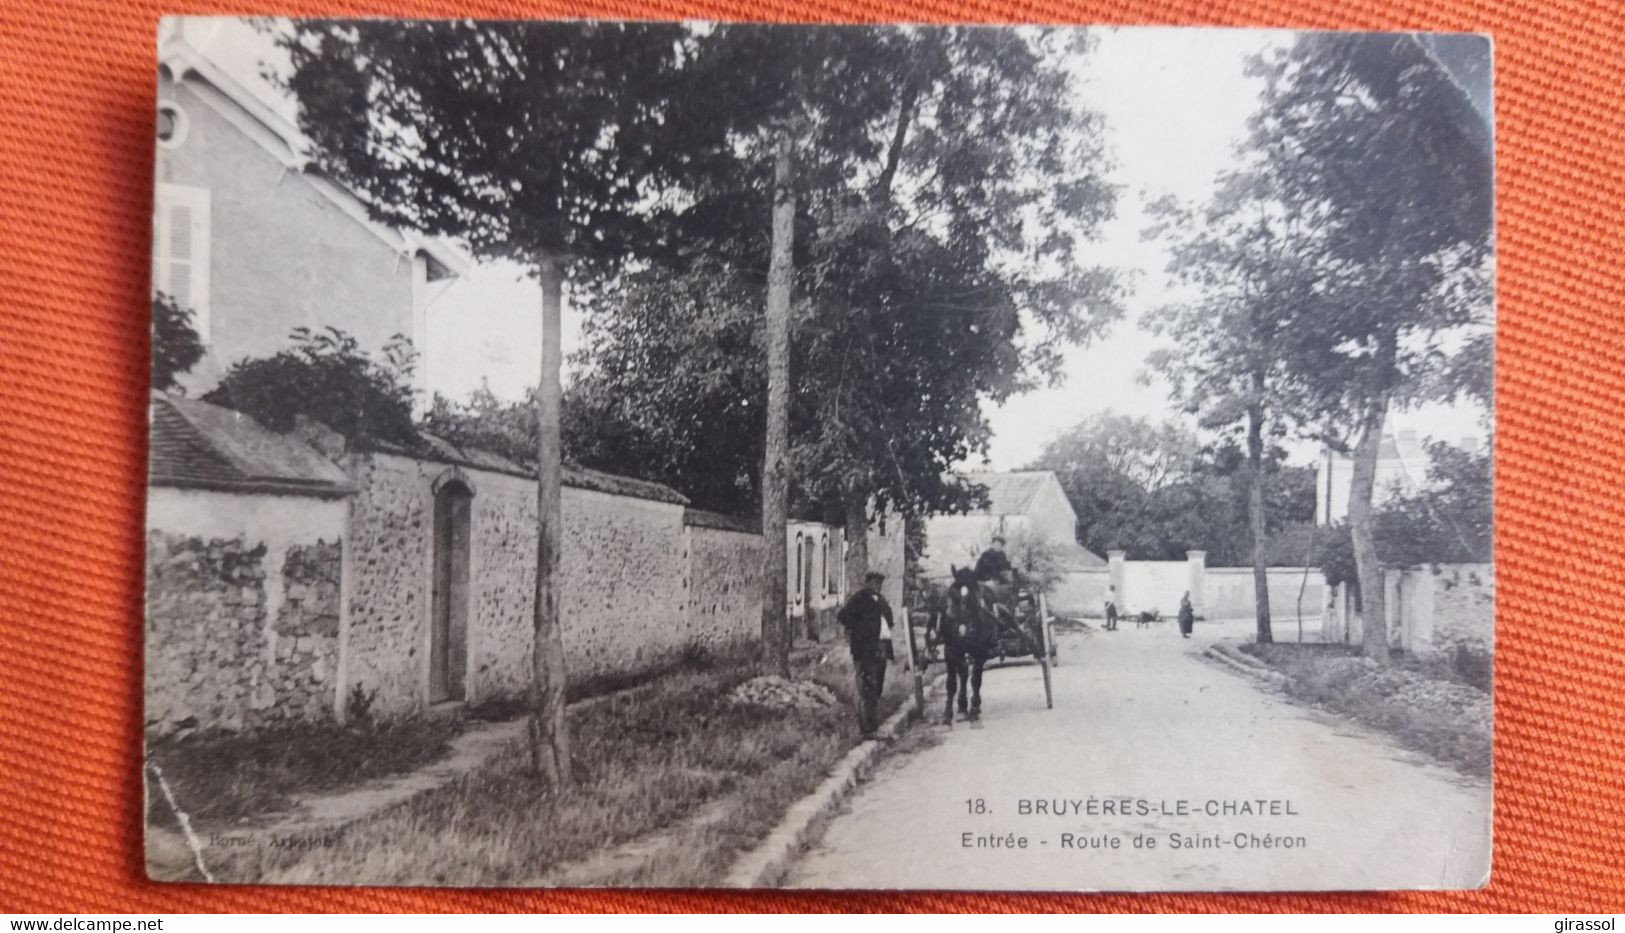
x=1018 y=503
x=1402 y=465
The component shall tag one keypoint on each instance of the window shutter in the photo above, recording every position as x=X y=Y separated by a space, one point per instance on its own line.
x=180 y=254
x=180 y=250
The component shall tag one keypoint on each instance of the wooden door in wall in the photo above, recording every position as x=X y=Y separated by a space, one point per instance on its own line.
x=448 y=629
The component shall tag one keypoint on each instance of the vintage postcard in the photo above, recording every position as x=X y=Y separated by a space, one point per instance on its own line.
x=909 y=457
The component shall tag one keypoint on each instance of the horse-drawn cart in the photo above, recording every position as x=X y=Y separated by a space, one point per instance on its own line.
x=969 y=623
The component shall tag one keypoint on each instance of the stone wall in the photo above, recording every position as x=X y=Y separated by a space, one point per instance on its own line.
x=1080 y=593
x=276 y=608
x=1464 y=606
x=1153 y=585
x=1428 y=609
x=724 y=582
x=386 y=641
x=1222 y=593
x=502 y=571
x=625 y=562
x=628 y=585
x=243 y=598
x=1229 y=593
x=304 y=637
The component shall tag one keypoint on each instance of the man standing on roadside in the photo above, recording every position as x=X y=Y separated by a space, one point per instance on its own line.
x=867 y=619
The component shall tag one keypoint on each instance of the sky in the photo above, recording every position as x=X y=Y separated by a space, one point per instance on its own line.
x=1174 y=102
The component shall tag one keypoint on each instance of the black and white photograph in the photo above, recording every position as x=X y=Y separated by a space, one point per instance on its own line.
x=712 y=455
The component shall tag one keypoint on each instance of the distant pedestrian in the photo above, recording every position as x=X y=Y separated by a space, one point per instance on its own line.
x=867 y=619
x=1187 y=615
x=1111 y=608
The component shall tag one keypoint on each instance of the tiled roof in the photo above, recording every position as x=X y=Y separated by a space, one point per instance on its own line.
x=1078 y=557
x=1009 y=493
x=199 y=445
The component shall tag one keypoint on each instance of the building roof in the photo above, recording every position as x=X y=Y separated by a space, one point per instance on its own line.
x=1077 y=557
x=197 y=445
x=1403 y=448
x=1010 y=493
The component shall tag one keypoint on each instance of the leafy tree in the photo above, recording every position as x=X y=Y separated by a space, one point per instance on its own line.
x=327 y=377
x=1289 y=501
x=1157 y=492
x=176 y=347
x=1372 y=138
x=1120 y=472
x=988 y=191
x=1037 y=557
x=1249 y=257
x=673 y=385
x=485 y=422
x=540 y=142
x=914 y=270
x=1448 y=521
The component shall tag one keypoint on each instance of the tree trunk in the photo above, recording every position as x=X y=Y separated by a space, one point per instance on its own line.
x=1255 y=508
x=1363 y=482
x=857 y=537
x=549 y=735
x=776 y=467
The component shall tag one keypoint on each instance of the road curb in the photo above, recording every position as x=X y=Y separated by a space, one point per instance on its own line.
x=767 y=864
x=1233 y=661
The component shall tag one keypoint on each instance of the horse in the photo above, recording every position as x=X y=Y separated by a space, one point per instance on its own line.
x=968 y=631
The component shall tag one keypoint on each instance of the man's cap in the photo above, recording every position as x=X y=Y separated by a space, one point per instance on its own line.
x=874 y=575
x=998 y=539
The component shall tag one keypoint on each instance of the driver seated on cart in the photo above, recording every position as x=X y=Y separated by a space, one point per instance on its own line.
x=997 y=575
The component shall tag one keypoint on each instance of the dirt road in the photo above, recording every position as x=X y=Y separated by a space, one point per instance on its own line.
x=1236 y=789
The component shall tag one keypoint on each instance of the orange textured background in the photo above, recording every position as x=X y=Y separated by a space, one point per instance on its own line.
x=76 y=106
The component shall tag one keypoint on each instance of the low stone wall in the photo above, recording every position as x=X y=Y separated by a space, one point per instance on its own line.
x=624 y=569
x=1080 y=593
x=1223 y=592
x=243 y=610
x=1464 y=607
x=1229 y=593
x=264 y=609
x=624 y=566
x=724 y=582
x=1428 y=609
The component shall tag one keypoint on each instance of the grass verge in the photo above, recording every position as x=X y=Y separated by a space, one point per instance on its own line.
x=1431 y=705
x=228 y=778
x=645 y=763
